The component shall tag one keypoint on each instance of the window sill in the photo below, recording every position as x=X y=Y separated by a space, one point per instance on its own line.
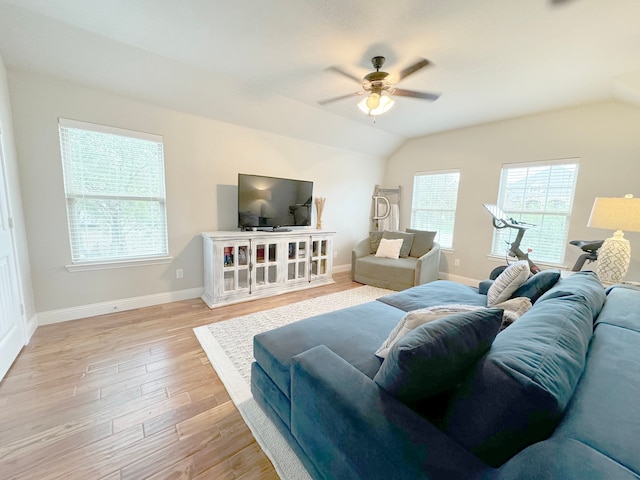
x=139 y=262
x=543 y=265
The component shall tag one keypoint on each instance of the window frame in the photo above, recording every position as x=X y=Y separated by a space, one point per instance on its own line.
x=525 y=214
x=452 y=212
x=82 y=264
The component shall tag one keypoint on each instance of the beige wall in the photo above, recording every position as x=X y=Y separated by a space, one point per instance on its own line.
x=605 y=136
x=15 y=201
x=202 y=160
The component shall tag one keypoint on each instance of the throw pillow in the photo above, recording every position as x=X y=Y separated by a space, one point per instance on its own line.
x=433 y=357
x=389 y=248
x=512 y=309
x=537 y=284
x=374 y=241
x=422 y=242
x=508 y=282
x=407 y=241
x=415 y=318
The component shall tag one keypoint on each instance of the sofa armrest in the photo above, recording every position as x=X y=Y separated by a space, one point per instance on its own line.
x=428 y=266
x=362 y=249
x=350 y=428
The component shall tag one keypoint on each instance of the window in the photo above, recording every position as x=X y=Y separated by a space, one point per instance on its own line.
x=433 y=207
x=114 y=186
x=542 y=194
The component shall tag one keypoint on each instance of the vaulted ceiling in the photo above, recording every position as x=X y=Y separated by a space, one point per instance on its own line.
x=262 y=64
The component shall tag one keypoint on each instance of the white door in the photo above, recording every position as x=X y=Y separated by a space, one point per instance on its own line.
x=11 y=324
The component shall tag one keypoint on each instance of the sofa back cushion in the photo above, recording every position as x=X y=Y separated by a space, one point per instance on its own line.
x=374 y=241
x=584 y=284
x=517 y=392
x=407 y=240
x=422 y=242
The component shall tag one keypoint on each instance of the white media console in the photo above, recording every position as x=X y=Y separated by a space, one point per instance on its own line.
x=242 y=266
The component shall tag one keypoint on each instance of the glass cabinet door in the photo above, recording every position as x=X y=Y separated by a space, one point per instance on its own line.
x=320 y=257
x=265 y=264
x=236 y=267
x=297 y=261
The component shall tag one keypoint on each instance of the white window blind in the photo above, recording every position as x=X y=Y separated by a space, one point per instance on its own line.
x=114 y=186
x=542 y=194
x=433 y=207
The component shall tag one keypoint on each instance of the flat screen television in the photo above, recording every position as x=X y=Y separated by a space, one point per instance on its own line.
x=271 y=202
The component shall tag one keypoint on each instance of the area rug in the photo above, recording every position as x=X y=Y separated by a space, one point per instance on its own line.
x=229 y=347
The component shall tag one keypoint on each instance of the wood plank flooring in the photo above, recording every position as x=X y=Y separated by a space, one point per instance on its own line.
x=130 y=395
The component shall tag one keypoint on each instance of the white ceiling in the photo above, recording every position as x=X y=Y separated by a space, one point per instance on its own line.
x=262 y=64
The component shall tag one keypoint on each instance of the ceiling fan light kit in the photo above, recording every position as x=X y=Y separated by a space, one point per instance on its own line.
x=378 y=87
x=376 y=104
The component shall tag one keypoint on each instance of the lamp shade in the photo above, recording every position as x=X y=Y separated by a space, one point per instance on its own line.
x=616 y=214
x=615 y=254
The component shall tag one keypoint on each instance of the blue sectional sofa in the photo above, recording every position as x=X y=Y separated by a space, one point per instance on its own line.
x=554 y=396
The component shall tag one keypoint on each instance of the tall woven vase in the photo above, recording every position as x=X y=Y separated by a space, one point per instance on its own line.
x=319 y=208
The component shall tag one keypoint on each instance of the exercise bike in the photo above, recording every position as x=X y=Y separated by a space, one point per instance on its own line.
x=500 y=221
x=590 y=249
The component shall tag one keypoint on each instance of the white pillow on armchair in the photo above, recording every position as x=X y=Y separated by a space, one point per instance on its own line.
x=389 y=248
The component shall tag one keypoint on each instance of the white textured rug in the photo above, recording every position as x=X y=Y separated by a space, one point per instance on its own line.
x=229 y=346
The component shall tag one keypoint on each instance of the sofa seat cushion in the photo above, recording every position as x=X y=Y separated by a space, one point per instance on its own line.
x=622 y=310
x=394 y=270
x=353 y=333
x=556 y=459
x=604 y=411
x=517 y=393
x=440 y=292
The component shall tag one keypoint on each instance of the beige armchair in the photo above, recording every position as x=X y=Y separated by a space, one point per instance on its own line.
x=420 y=266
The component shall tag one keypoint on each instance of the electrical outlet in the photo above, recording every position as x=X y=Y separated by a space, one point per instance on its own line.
x=179 y=273
x=456 y=262
x=335 y=254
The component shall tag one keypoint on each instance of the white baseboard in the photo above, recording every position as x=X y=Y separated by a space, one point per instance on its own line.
x=472 y=282
x=342 y=268
x=31 y=326
x=83 y=311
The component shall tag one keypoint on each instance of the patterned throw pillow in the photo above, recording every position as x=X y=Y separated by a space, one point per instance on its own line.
x=508 y=282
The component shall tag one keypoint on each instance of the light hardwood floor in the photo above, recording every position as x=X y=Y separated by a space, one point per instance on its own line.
x=130 y=395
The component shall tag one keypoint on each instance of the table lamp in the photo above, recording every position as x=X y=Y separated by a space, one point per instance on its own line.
x=615 y=254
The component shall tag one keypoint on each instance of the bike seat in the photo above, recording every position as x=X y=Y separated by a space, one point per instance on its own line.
x=587 y=245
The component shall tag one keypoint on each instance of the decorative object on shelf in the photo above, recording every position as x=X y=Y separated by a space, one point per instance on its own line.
x=615 y=254
x=319 y=208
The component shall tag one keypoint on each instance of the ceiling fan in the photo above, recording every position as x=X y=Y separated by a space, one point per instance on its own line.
x=379 y=87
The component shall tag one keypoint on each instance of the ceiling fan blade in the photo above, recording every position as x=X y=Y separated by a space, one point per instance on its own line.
x=341 y=97
x=345 y=73
x=401 y=92
x=411 y=69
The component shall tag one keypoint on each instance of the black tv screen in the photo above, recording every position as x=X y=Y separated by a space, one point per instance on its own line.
x=271 y=202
